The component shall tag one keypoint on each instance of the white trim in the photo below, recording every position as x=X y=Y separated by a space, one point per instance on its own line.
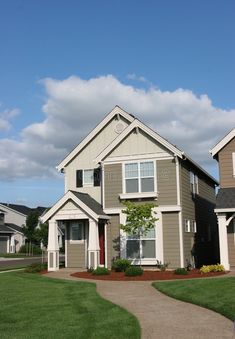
x=78 y=241
x=136 y=123
x=181 y=240
x=224 y=210
x=177 y=170
x=158 y=209
x=105 y=246
x=116 y=110
x=102 y=186
x=137 y=157
x=233 y=160
x=66 y=246
x=113 y=210
x=138 y=195
x=222 y=142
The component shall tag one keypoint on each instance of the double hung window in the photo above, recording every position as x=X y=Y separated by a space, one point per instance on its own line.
x=76 y=231
x=194 y=183
x=143 y=247
x=139 y=177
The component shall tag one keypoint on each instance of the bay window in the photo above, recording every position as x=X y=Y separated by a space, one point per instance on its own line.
x=139 y=177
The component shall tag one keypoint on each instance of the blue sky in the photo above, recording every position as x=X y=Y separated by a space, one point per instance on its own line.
x=172 y=63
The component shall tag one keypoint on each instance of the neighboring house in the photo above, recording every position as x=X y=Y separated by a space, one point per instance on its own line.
x=12 y=218
x=121 y=158
x=224 y=153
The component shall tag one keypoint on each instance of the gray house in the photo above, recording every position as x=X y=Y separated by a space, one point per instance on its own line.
x=224 y=153
x=123 y=159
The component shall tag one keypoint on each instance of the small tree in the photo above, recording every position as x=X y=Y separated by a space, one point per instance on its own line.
x=139 y=221
x=29 y=229
x=42 y=234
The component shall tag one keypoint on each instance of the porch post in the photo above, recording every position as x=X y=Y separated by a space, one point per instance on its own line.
x=53 y=246
x=93 y=245
x=12 y=244
x=223 y=241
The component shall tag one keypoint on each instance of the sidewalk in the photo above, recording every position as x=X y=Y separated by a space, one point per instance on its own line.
x=160 y=316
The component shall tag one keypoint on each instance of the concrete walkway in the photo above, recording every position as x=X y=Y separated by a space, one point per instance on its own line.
x=160 y=316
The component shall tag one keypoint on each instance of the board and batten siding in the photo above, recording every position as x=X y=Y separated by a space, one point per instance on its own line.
x=113 y=239
x=226 y=165
x=166 y=182
x=76 y=256
x=171 y=239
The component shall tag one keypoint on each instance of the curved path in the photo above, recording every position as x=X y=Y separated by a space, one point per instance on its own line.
x=160 y=316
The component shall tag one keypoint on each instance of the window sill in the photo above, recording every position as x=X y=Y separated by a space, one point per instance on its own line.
x=76 y=242
x=138 y=195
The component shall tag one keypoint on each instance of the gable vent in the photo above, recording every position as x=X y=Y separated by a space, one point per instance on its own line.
x=119 y=127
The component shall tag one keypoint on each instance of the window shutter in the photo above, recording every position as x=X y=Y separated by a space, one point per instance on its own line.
x=97 y=176
x=79 y=182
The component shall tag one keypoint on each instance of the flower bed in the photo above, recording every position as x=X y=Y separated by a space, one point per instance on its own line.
x=147 y=275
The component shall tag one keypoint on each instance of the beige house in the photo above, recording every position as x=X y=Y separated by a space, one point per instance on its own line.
x=224 y=153
x=120 y=159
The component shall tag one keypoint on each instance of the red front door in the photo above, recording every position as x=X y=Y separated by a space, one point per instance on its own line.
x=101 y=243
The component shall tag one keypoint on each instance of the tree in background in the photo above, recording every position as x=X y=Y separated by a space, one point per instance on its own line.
x=139 y=220
x=29 y=230
x=42 y=234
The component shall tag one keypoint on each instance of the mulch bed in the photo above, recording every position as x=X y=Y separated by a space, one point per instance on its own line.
x=147 y=275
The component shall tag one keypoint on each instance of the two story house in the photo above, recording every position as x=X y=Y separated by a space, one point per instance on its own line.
x=224 y=153
x=123 y=159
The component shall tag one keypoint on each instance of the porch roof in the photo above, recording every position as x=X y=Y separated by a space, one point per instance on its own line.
x=5 y=229
x=225 y=198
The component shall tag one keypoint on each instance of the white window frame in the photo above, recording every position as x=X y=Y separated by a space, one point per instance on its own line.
x=81 y=241
x=190 y=226
x=91 y=184
x=233 y=161
x=193 y=178
x=187 y=227
x=140 y=239
x=138 y=162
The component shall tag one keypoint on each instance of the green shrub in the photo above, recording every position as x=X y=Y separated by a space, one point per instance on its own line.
x=120 y=265
x=181 y=270
x=101 y=271
x=133 y=271
x=32 y=249
x=35 y=268
x=212 y=268
x=90 y=270
x=162 y=266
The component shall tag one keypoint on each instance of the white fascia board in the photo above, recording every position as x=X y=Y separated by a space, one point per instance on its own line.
x=63 y=200
x=137 y=124
x=12 y=209
x=224 y=210
x=92 y=134
x=222 y=143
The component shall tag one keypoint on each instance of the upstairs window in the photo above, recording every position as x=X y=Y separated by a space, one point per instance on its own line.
x=190 y=226
x=139 y=177
x=194 y=183
x=88 y=177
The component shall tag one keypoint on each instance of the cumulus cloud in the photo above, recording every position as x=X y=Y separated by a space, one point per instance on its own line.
x=5 y=118
x=73 y=107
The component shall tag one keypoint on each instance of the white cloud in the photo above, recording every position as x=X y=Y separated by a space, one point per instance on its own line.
x=74 y=106
x=6 y=116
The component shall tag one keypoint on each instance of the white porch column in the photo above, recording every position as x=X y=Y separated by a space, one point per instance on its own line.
x=93 y=245
x=53 y=246
x=223 y=241
x=12 y=244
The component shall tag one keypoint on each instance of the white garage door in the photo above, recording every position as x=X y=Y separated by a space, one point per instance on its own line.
x=3 y=244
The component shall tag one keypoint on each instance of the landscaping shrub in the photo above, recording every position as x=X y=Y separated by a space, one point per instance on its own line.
x=120 y=265
x=101 y=271
x=33 y=250
x=35 y=268
x=162 y=266
x=133 y=271
x=212 y=268
x=90 y=270
x=180 y=270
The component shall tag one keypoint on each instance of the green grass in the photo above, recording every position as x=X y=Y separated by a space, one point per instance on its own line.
x=33 y=306
x=215 y=294
x=10 y=268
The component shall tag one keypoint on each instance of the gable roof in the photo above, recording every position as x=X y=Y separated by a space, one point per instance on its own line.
x=5 y=229
x=18 y=208
x=223 y=142
x=83 y=200
x=115 y=111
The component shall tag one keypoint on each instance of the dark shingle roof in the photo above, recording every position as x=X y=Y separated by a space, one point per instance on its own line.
x=24 y=209
x=5 y=229
x=225 y=198
x=14 y=227
x=89 y=202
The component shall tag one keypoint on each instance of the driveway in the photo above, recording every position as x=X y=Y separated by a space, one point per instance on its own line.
x=160 y=316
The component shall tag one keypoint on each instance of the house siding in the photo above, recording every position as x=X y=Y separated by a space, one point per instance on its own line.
x=231 y=243
x=75 y=252
x=112 y=185
x=171 y=239
x=226 y=165
x=166 y=182
x=113 y=239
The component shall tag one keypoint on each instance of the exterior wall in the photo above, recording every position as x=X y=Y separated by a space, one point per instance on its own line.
x=113 y=239
x=171 y=239
x=231 y=243
x=76 y=253
x=202 y=246
x=13 y=217
x=112 y=185
x=226 y=165
x=166 y=182
x=85 y=159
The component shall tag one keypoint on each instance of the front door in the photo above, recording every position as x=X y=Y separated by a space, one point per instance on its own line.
x=102 y=244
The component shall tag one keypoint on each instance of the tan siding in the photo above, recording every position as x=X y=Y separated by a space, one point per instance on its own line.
x=226 y=165
x=112 y=185
x=188 y=208
x=171 y=244
x=231 y=244
x=75 y=252
x=166 y=182
x=113 y=239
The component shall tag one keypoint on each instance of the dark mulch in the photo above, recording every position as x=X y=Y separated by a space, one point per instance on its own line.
x=147 y=275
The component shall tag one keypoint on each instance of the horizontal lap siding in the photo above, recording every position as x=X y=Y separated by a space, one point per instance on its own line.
x=112 y=185
x=231 y=244
x=166 y=182
x=171 y=241
x=76 y=255
x=113 y=239
x=226 y=165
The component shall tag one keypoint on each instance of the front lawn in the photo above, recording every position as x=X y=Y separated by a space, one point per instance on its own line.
x=33 y=306
x=215 y=294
